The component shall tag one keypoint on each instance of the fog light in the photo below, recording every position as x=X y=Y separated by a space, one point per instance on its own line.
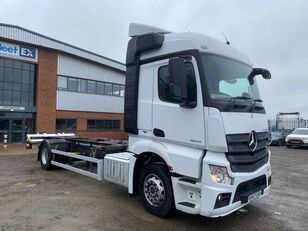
x=220 y=175
x=269 y=168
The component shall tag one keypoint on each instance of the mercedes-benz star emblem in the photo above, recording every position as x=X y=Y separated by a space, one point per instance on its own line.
x=252 y=141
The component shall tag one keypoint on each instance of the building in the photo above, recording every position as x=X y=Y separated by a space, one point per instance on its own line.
x=49 y=86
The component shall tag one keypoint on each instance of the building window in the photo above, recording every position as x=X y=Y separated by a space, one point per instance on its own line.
x=62 y=83
x=89 y=86
x=103 y=124
x=66 y=125
x=72 y=84
x=17 y=83
x=82 y=85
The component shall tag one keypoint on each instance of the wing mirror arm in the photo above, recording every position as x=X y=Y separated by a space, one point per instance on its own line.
x=258 y=71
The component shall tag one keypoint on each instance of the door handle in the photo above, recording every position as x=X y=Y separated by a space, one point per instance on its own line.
x=158 y=132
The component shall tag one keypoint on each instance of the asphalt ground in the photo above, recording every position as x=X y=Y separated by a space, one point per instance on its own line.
x=33 y=199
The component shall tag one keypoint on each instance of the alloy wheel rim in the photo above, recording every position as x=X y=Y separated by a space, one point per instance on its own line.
x=154 y=190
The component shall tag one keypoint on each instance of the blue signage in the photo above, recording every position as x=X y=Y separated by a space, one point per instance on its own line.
x=18 y=51
x=8 y=49
x=27 y=52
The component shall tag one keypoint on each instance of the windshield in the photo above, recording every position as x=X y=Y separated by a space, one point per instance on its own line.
x=300 y=132
x=227 y=79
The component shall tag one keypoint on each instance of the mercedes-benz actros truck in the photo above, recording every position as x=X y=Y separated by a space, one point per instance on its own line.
x=196 y=124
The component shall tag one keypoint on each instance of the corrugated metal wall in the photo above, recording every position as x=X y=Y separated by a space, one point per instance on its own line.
x=75 y=101
x=74 y=67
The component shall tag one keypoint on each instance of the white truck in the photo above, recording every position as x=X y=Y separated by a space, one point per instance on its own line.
x=197 y=128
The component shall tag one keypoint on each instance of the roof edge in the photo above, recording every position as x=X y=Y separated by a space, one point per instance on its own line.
x=63 y=43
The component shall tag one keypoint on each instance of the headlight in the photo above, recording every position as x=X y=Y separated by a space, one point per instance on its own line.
x=305 y=141
x=269 y=168
x=220 y=175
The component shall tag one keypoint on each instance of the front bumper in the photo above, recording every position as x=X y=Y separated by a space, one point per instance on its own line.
x=211 y=190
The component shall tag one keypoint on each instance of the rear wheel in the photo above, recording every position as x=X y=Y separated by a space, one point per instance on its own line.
x=288 y=146
x=156 y=191
x=45 y=156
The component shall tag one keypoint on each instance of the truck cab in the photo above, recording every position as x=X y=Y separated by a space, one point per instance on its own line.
x=196 y=124
x=193 y=103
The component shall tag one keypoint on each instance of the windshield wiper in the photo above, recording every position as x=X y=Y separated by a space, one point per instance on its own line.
x=253 y=104
x=238 y=97
x=233 y=101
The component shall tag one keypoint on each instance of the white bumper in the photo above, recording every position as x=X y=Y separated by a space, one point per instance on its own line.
x=210 y=190
x=200 y=197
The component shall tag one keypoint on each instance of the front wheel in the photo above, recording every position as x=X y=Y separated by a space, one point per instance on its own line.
x=156 y=191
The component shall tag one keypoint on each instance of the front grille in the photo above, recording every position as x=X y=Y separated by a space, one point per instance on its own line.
x=241 y=158
x=295 y=141
x=249 y=187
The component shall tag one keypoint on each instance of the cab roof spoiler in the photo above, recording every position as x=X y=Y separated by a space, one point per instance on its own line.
x=136 y=29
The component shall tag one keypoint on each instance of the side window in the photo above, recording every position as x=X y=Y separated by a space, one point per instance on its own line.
x=165 y=91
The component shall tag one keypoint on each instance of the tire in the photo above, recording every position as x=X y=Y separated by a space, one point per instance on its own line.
x=45 y=157
x=288 y=146
x=279 y=143
x=154 y=178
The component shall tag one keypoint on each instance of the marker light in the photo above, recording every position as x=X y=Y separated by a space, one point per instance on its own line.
x=220 y=175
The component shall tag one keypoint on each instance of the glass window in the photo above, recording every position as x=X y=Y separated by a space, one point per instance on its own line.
x=227 y=78
x=16 y=87
x=7 y=97
x=8 y=85
x=91 y=87
x=108 y=88
x=72 y=84
x=32 y=67
x=82 y=85
x=25 y=87
x=17 y=65
x=8 y=63
x=1 y=73
x=17 y=76
x=100 y=88
x=91 y=124
x=165 y=92
x=14 y=83
x=24 y=98
x=31 y=100
x=16 y=98
x=32 y=77
x=66 y=124
x=62 y=83
x=8 y=74
x=122 y=91
x=103 y=124
x=116 y=89
x=26 y=66
x=1 y=62
x=25 y=76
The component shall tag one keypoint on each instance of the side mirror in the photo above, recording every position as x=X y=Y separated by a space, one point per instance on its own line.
x=259 y=71
x=178 y=77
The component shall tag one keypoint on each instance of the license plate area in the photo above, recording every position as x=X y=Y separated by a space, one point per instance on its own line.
x=254 y=196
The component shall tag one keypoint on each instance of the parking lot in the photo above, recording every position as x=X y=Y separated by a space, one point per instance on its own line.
x=33 y=199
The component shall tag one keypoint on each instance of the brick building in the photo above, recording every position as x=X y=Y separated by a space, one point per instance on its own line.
x=50 y=86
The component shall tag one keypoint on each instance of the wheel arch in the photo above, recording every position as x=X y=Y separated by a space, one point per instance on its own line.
x=142 y=160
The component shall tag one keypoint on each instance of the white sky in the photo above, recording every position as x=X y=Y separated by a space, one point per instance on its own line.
x=274 y=34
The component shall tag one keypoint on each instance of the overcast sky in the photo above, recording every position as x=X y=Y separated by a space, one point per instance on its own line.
x=274 y=34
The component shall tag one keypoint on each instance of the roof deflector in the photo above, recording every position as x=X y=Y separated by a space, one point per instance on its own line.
x=136 y=29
